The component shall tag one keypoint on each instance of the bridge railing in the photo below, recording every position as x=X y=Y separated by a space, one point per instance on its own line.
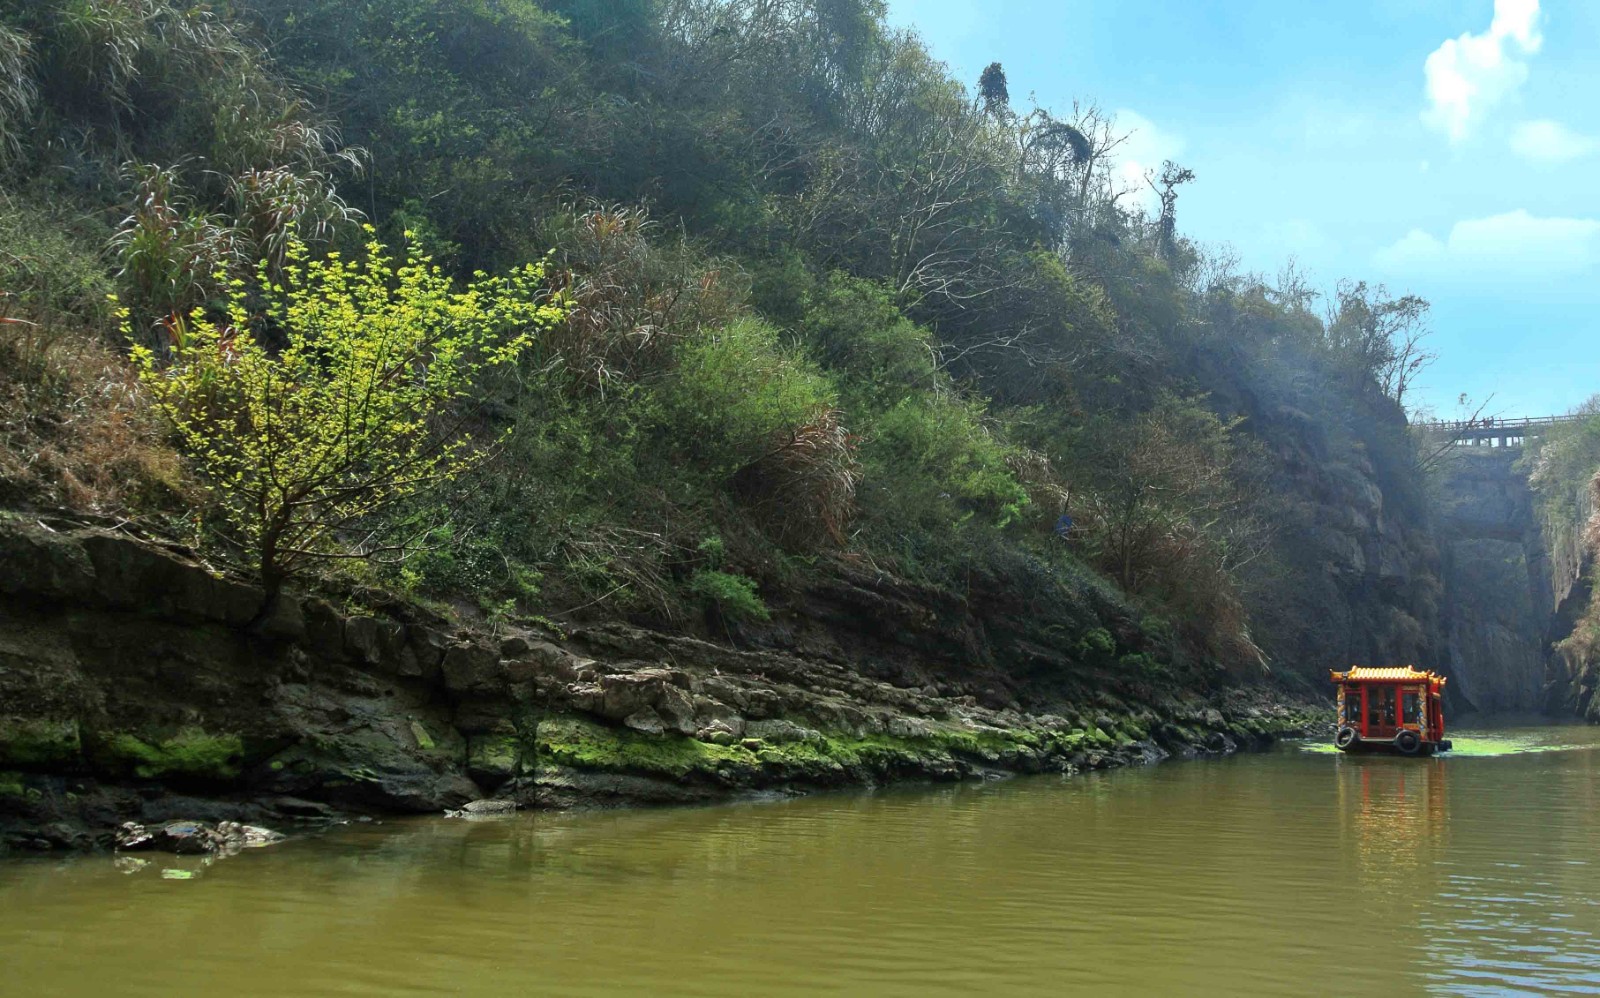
x=1492 y=426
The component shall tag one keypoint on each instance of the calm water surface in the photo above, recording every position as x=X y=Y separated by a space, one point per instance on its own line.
x=1294 y=872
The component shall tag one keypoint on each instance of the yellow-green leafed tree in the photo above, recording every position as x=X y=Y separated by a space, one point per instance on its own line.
x=335 y=392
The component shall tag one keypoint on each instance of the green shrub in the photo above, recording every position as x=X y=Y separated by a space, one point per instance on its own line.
x=50 y=268
x=300 y=444
x=759 y=417
x=1097 y=646
x=932 y=468
x=931 y=461
x=1143 y=663
x=738 y=393
x=713 y=550
x=734 y=596
x=854 y=327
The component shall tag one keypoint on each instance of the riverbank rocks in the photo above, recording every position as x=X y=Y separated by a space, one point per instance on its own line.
x=778 y=731
x=719 y=733
x=193 y=837
x=482 y=808
x=134 y=691
x=657 y=699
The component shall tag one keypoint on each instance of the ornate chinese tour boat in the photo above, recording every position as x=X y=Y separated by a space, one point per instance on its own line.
x=1390 y=710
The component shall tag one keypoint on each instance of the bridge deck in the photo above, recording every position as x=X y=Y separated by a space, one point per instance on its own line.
x=1508 y=432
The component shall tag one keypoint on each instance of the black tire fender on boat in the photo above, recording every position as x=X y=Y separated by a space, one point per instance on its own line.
x=1407 y=742
x=1345 y=738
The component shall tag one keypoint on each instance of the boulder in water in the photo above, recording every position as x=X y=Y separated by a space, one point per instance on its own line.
x=189 y=838
x=184 y=838
x=236 y=835
x=480 y=808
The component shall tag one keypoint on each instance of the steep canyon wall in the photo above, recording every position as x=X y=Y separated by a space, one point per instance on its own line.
x=1500 y=593
x=1573 y=671
x=1378 y=563
x=1353 y=576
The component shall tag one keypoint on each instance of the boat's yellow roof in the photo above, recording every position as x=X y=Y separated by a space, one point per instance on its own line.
x=1403 y=673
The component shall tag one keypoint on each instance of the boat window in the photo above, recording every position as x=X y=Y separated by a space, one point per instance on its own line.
x=1380 y=706
x=1411 y=707
x=1352 y=706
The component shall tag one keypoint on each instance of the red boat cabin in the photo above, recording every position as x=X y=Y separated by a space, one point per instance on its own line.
x=1393 y=709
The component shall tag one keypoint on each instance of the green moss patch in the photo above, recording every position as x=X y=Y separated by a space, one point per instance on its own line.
x=191 y=752
x=583 y=744
x=571 y=741
x=425 y=741
x=495 y=755
x=26 y=743
x=835 y=754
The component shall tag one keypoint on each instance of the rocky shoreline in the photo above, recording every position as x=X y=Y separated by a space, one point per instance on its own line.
x=131 y=689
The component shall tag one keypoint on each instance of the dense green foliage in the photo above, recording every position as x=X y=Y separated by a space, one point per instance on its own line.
x=866 y=314
x=302 y=441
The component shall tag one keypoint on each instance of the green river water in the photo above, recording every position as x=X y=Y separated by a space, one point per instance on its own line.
x=1294 y=872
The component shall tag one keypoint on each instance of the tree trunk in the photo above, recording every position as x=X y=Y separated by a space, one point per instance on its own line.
x=272 y=580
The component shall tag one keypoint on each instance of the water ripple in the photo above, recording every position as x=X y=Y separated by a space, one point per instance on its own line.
x=1291 y=873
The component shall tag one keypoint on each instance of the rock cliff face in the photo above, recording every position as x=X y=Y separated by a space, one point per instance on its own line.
x=1368 y=580
x=1573 y=674
x=1354 y=577
x=1573 y=670
x=133 y=688
x=1463 y=581
x=1500 y=597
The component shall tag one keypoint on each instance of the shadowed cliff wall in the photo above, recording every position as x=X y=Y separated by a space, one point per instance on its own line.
x=1573 y=672
x=1500 y=600
x=1353 y=576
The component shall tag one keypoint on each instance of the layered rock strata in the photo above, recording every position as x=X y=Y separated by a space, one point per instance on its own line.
x=133 y=686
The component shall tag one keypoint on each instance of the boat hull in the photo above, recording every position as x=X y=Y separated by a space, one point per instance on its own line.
x=1375 y=746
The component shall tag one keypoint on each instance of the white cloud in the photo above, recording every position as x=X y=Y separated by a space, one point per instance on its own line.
x=1511 y=247
x=1551 y=142
x=1412 y=251
x=1469 y=75
x=1144 y=151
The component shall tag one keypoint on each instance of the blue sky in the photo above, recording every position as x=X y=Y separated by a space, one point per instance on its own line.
x=1449 y=148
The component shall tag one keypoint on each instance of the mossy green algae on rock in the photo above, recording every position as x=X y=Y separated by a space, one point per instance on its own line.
x=824 y=758
x=191 y=752
x=37 y=742
x=59 y=744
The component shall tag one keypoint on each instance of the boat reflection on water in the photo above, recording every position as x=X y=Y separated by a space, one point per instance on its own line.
x=1492 y=890
x=1394 y=819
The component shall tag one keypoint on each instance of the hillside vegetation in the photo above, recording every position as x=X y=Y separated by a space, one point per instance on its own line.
x=661 y=310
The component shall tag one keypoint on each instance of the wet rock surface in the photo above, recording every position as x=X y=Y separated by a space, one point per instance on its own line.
x=483 y=807
x=130 y=690
x=193 y=837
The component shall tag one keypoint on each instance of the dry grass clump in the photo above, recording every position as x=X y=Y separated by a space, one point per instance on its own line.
x=803 y=491
x=631 y=301
x=1046 y=488
x=74 y=430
